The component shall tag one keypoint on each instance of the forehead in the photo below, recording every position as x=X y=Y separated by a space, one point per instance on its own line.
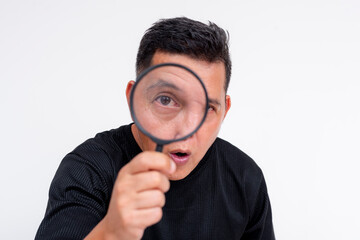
x=211 y=73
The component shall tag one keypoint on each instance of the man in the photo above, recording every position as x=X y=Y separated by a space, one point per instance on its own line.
x=115 y=186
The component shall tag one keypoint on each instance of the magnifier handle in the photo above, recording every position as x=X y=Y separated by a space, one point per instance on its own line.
x=159 y=148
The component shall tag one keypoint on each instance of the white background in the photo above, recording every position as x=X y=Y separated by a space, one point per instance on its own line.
x=295 y=92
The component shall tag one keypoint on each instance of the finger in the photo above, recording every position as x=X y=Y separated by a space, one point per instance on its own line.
x=149 y=216
x=151 y=180
x=149 y=199
x=146 y=161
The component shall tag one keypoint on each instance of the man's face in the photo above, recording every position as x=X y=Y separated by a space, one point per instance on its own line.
x=188 y=153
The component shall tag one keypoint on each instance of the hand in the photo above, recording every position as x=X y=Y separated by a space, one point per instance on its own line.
x=138 y=196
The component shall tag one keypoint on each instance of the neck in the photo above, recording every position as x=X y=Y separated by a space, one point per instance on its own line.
x=136 y=134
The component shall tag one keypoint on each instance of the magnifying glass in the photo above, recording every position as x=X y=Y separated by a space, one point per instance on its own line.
x=168 y=103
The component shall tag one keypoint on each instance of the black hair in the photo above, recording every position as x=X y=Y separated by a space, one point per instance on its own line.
x=185 y=36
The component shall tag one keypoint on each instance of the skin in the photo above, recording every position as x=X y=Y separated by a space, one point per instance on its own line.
x=213 y=76
x=139 y=191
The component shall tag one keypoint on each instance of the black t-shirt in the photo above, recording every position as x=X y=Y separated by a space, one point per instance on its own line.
x=224 y=197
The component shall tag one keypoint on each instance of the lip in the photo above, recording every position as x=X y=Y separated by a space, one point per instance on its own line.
x=179 y=160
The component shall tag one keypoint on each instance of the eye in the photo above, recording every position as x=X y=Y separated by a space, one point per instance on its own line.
x=211 y=108
x=166 y=101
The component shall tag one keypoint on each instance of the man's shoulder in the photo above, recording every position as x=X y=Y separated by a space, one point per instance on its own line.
x=113 y=147
x=235 y=159
x=110 y=140
x=113 y=138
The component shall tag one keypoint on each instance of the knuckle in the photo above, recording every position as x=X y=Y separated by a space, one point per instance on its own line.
x=156 y=178
x=158 y=196
x=161 y=198
x=166 y=185
x=142 y=160
x=157 y=214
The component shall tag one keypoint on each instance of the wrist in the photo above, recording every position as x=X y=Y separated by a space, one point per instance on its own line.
x=100 y=232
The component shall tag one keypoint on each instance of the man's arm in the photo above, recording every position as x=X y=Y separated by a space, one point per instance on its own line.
x=260 y=226
x=79 y=198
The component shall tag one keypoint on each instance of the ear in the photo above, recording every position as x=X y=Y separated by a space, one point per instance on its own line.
x=227 y=104
x=128 y=91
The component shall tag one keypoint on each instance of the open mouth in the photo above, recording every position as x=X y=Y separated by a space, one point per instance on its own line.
x=180 y=154
x=179 y=157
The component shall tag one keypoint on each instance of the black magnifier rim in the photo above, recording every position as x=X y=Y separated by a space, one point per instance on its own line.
x=140 y=77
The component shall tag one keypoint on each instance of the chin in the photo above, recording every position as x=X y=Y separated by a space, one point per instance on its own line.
x=178 y=175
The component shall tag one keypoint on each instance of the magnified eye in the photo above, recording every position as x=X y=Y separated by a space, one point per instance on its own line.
x=166 y=101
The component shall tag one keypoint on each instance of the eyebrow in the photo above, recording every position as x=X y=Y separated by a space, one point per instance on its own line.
x=162 y=83
x=214 y=101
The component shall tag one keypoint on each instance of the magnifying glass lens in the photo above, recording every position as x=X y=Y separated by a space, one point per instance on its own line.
x=169 y=103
